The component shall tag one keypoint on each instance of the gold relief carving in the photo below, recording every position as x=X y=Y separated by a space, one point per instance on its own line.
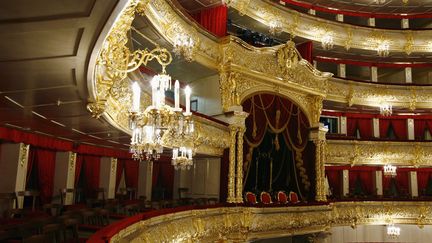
x=239 y=185
x=232 y=160
x=97 y=108
x=113 y=164
x=244 y=223
x=379 y=153
x=23 y=154
x=409 y=43
x=349 y=37
x=72 y=161
x=264 y=10
x=316 y=104
x=287 y=57
x=228 y=86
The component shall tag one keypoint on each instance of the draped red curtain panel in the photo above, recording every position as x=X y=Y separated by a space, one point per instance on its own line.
x=213 y=19
x=334 y=177
x=365 y=175
x=45 y=160
x=305 y=50
x=163 y=176
x=423 y=177
x=119 y=173
x=364 y=125
x=223 y=186
x=280 y=116
x=131 y=168
x=400 y=128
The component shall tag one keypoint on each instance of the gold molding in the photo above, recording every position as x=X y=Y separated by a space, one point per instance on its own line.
x=354 y=152
x=245 y=223
x=345 y=35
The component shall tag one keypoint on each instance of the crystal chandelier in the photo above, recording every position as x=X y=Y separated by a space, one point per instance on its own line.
x=383 y=49
x=379 y=1
x=386 y=110
x=182 y=158
x=160 y=123
x=393 y=232
x=184 y=45
x=327 y=41
x=390 y=170
x=275 y=27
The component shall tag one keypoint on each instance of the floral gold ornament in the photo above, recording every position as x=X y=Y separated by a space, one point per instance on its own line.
x=240 y=224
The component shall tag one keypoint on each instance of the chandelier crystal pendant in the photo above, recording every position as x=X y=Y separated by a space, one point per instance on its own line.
x=393 y=232
x=386 y=109
x=184 y=45
x=275 y=27
x=160 y=123
x=327 y=42
x=383 y=49
x=379 y=1
x=390 y=170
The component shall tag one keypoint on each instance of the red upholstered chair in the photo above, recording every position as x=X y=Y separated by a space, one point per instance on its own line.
x=265 y=198
x=251 y=198
x=293 y=198
x=282 y=197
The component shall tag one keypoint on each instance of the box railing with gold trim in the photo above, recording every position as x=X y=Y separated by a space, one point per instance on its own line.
x=241 y=224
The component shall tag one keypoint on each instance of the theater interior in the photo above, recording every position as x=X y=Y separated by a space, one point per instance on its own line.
x=216 y=121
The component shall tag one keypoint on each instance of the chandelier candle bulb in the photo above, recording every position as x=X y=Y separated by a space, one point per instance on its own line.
x=136 y=95
x=177 y=94
x=188 y=92
x=154 y=85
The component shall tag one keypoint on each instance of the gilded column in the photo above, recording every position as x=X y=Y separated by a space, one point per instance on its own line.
x=240 y=134
x=231 y=172
x=318 y=138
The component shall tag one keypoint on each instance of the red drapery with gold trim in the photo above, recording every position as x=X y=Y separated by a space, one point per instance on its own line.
x=280 y=116
x=213 y=19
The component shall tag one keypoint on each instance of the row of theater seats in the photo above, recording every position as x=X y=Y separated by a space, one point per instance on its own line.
x=266 y=198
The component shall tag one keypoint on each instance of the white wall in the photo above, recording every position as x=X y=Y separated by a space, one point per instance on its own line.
x=8 y=166
x=207 y=92
x=378 y=233
x=202 y=179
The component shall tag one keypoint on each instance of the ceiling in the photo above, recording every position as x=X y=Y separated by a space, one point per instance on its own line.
x=44 y=55
x=369 y=6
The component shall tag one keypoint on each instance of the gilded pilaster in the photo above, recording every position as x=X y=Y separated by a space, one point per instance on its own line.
x=239 y=191
x=318 y=138
x=231 y=173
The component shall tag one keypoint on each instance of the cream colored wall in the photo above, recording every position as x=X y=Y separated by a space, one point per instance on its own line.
x=144 y=180
x=202 y=179
x=207 y=92
x=60 y=174
x=8 y=166
x=378 y=233
x=105 y=174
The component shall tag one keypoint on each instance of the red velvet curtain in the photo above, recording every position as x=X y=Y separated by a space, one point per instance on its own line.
x=30 y=162
x=223 y=182
x=78 y=167
x=423 y=176
x=131 y=168
x=364 y=125
x=334 y=178
x=400 y=128
x=419 y=129
x=163 y=176
x=384 y=125
x=46 y=169
x=279 y=115
x=213 y=19
x=91 y=169
x=305 y=50
x=119 y=173
x=36 y=140
x=366 y=176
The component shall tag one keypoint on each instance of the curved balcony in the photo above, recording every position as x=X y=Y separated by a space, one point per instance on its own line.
x=243 y=223
x=343 y=34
